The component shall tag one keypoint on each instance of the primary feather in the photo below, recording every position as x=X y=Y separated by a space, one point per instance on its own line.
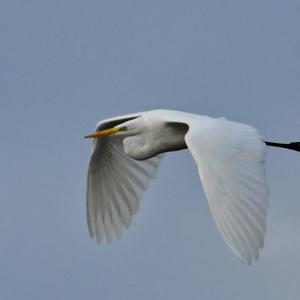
x=230 y=160
x=115 y=184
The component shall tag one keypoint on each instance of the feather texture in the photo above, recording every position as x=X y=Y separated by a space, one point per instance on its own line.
x=115 y=184
x=230 y=159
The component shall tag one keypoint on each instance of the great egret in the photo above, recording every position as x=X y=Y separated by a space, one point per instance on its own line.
x=229 y=156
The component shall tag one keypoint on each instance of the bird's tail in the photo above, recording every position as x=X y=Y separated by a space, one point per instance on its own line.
x=292 y=146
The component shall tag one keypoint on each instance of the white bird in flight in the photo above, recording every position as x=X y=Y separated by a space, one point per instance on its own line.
x=230 y=158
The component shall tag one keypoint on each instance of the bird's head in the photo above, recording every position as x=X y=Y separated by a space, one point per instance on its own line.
x=130 y=127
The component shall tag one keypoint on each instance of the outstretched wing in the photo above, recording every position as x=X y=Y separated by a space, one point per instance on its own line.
x=115 y=183
x=230 y=159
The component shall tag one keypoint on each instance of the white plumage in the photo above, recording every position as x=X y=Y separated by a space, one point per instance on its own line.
x=229 y=156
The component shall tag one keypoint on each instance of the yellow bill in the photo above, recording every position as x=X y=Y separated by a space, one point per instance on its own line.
x=102 y=133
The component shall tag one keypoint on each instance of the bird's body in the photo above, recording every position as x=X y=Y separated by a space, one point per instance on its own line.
x=229 y=156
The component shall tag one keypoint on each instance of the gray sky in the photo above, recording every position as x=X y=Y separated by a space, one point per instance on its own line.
x=67 y=64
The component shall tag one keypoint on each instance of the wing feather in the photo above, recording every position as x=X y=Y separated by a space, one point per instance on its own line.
x=115 y=184
x=230 y=159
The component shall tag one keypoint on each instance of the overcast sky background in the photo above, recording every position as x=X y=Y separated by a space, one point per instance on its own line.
x=64 y=65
